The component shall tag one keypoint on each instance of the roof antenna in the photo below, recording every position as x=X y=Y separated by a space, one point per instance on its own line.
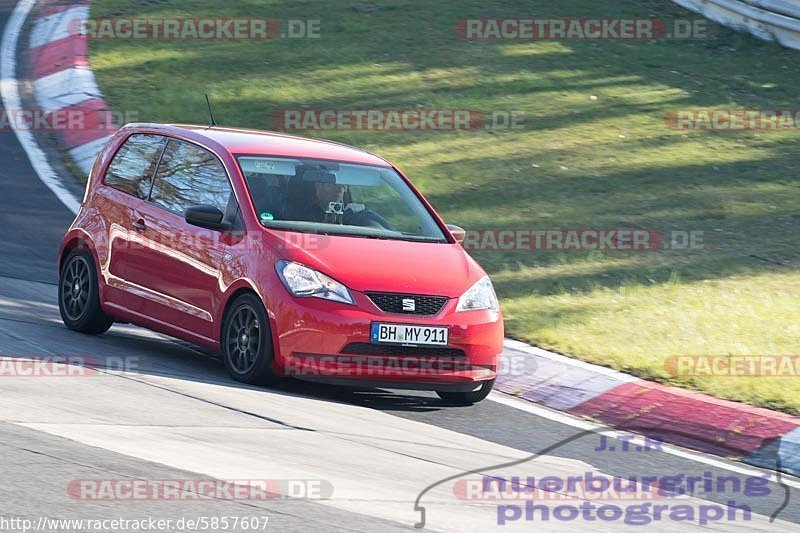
x=208 y=103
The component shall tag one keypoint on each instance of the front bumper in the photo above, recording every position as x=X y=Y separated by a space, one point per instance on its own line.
x=324 y=341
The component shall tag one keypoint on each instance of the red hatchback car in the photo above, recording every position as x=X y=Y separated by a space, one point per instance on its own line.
x=290 y=256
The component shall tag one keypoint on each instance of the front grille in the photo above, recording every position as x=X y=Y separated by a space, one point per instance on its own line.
x=393 y=303
x=391 y=350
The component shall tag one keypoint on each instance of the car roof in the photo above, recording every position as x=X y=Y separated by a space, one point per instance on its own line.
x=240 y=141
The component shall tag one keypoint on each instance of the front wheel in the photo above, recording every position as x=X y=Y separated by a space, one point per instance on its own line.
x=468 y=397
x=79 y=295
x=247 y=342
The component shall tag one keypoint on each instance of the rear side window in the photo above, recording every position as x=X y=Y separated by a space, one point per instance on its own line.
x=132 y=169
x=189 y=175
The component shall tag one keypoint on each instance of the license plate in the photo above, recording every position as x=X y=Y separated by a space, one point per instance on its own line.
x=407 y=334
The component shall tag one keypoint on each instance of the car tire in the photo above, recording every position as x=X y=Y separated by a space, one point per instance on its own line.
x=468 y=397
x=79 y=295
x=246 y=342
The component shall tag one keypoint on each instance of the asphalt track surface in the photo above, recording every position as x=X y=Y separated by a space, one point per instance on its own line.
x=172 y=413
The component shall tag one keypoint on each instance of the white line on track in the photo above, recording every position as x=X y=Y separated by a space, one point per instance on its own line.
x=569 y=420
x=9 y=89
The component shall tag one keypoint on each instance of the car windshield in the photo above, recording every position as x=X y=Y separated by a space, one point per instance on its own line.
x=334 y=198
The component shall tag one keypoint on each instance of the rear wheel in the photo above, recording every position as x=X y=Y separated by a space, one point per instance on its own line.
x=247 y=342
x=468 y=397
x=79 y=295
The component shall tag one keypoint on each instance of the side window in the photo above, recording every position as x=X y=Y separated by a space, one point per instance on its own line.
x=189 y=175
x=132 y=168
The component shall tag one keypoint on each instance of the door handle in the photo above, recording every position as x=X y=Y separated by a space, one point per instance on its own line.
x=139 y=225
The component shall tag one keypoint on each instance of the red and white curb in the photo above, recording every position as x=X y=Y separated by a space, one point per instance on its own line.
x=730 y=429
x=63 y=81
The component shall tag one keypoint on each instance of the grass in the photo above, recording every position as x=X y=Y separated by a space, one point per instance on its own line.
x=594 y=153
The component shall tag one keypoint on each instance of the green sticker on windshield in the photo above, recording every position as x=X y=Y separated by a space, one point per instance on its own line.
x=265 y=217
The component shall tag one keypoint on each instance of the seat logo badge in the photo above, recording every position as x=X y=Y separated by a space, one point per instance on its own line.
x=409 y=306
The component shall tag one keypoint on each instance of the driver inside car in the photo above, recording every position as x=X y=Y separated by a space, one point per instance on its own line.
x=331 y=198
x=320 y=202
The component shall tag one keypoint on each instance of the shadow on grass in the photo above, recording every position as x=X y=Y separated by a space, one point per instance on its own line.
x=402 y=57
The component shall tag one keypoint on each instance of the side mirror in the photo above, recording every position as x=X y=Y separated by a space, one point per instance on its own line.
x=458 y=233
x=205 y=216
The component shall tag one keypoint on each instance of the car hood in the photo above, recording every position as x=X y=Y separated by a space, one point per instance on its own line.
x=383 y=265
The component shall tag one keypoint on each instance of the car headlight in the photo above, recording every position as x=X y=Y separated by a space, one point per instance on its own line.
x=479 y=296
x=303 y=281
